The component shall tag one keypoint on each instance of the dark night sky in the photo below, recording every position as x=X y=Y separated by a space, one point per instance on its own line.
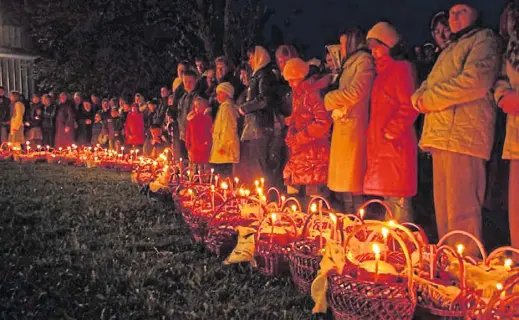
x=320 y=20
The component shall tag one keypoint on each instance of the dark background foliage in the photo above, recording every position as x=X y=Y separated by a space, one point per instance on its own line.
x=124 y=46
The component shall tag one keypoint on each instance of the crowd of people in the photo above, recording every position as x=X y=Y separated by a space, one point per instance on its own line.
x=350 y=125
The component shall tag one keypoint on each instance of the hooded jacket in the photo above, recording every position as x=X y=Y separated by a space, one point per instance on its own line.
x=261 y=99
x=459 y=111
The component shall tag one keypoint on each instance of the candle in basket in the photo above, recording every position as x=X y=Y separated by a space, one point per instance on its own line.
x=500 y=287
x=273 y=218
x=376 y=250
x=190 y=192
x=460 y=248
x=508 y=264
x=122 y=150
x=361 y=214
x=212 y=196
x=224 y=187
x=180 y=164
x=334 y=236
x=236 y=182
x=211 y=178
x=294 y=208
x=385 y=234
x=262 y=180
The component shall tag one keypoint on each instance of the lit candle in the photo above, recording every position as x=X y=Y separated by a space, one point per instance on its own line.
x=283 y=198
x=376 y=250
x=224 y=187
x=256 y=183
x=385 y=233
x=500 y=287
x=508 y=264
x=361 y=213
x=247 y=193
x=122 y=150
x=431 y=262
x=211 y=178
x=180 y=164
x=460 y=248
x=39 y=147
x=242 y=192
x=212 y=196
x=190 y=192
x=262 y=180
x=216 y=180
x=236 y=181
x=294 y=208
x=273 y=217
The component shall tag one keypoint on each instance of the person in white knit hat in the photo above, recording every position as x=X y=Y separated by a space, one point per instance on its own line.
x=226 y=143
x=392 y=153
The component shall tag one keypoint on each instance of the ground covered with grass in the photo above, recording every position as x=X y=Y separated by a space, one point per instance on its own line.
x=80 y=243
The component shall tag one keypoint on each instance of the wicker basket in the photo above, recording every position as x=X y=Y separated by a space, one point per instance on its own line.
x=221 y=235
x=203 y=209
x=271 y=250
x=306 y=253
x=504 y=304
x=353 y=297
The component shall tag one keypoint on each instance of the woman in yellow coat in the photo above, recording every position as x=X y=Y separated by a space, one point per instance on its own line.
x=16 y=136
x=350 y=110
x=226 y=143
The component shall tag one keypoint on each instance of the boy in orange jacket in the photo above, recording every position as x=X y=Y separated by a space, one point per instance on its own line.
x=199 y=134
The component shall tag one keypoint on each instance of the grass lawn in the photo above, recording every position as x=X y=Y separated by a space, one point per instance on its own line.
x=81 y=243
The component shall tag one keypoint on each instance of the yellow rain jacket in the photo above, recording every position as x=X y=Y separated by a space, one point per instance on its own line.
x=226 y=143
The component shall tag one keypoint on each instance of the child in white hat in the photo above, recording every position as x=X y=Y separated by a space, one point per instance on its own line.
x=226 y=143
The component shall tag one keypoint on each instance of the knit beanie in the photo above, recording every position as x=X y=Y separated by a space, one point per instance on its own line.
x=385 y=33
x=295 y=68
x=227 y=88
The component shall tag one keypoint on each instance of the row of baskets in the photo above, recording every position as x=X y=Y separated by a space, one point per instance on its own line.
x=360 y=269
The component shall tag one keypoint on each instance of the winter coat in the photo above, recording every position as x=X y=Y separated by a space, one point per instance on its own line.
x=184 y=108
x=309 y=129
x=459 y=111
x=5 y=111
x=98 y=133
x=48 y=116
x=84 y=129
x=134 y=129
x=198 y=138
x=260 y=105
x=226 y=143
x=350 y=112
x=65 y=118
x=16 y=123
x=510 y=82
x=35 y=120
x=392 y=164
x=114 y=127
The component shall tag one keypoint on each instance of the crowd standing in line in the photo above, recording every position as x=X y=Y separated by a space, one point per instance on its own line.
x=349 y=125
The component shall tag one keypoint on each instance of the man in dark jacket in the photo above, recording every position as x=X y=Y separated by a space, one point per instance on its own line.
x=258 y=111
x=5 y=115
x=48 y=120
x=184 y=108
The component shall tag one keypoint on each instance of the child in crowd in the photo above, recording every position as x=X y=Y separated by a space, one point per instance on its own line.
x=114 y=127
x=34 y=135
x=155 y=145
x=134 y=128
x=198 y=134
x=98 y=131
x=226 y=144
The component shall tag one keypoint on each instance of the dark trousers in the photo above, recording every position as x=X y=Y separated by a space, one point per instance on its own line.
x=48 y=136
x=253 y=161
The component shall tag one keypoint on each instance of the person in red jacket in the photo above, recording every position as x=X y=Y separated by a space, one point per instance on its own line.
x=308 y=132
x=134 y=127
x=391 y=138
x=199 y=134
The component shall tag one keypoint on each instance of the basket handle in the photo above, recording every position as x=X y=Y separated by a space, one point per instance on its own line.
x=498 y=251
x=403 y=246
x=269 y=217
x=208 y=192
x=221 y=209
x=470 y=236
x=310 y=218
x=410 y=225
x=328 y=205
x=291 y=199
x=372 y=201
x=435 y=259
x=278 y=194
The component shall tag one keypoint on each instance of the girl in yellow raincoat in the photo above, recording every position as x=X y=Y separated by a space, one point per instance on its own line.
x=226 y=144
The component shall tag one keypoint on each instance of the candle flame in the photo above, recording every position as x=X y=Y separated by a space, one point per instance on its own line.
x=460 y=249
x=361 y=213
x=376 y=249
x=224 y=186
x=190 y=191
x=256 y=183
x=262 y=180
x=242 y=192
x=508 y=264
x=263 y=198
x=313 y=207
x=247 y=193
x=283 y=198
x=28 y=142
x=392 y=223
x=236 y=180
x=499 y=286
x=294 y=208
x=38 y=146
x=259 y=191
x=273 y=216
x=385 y=232
x=212 y=169
x=333 y=218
